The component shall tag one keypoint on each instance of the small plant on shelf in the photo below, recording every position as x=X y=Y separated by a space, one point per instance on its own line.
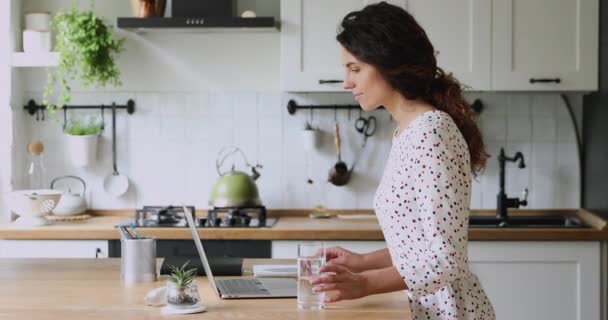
x=82 y=136
x=87 y=52
x=181 y=288
x=83 y=126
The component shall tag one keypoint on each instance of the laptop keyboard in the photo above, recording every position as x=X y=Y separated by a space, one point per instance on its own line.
x=241 y=286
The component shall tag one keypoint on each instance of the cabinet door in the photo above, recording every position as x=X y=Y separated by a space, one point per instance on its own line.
x=539 y=280
x=460 y=32
x=310 y=53
x=53 y=248
x=545 y=45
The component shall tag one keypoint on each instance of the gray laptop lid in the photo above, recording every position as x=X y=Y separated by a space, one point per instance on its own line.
x=199 y=248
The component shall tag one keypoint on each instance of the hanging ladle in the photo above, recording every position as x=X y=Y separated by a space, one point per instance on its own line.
x=339 y=173
x=115 y=184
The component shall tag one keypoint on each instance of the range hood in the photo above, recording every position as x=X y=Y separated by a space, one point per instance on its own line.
x=194 y=24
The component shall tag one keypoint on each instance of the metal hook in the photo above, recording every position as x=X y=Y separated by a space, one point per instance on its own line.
x=37 y=117
x=43 y=112
x=103 y=121
x=65 y=117
x=349 y=114
x=335 y=114
x=310 y=122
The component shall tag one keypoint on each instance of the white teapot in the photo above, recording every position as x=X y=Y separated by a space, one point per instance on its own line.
x=70 y=203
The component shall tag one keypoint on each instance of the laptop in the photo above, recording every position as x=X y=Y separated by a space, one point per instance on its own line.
x=239 y=288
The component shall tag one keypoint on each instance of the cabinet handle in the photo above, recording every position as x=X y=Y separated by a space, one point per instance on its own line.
x=545 y=80
x=330 y=81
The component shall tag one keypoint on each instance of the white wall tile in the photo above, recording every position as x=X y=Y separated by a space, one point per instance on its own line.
x=493 y=126
x=544 y=129
x=519 y=128
x=169 y=146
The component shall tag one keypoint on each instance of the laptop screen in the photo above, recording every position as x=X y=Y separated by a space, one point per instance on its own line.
x=201 y=251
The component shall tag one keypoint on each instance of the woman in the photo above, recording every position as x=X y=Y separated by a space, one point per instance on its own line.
x=422 y=202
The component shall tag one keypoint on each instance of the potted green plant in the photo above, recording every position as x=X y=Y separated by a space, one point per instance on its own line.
x=82 y=134
x=87 y=52
x=181 y=288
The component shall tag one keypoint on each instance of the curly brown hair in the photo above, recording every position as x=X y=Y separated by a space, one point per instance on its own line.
x=389 y=38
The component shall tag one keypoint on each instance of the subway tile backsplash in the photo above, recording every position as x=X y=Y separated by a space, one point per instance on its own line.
x=169 y=145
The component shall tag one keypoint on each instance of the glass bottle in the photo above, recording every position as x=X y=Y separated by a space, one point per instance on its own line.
x=36 y=171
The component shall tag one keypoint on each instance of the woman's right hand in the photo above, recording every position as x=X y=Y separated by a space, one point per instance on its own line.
x=351 y=260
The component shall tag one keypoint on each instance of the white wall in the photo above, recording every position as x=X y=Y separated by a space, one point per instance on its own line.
x=196 y=92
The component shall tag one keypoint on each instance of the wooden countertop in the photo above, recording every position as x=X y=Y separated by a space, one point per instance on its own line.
x=296 y=225
x=91 y=289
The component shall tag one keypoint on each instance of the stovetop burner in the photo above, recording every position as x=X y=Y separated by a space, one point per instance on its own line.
x=173 y=216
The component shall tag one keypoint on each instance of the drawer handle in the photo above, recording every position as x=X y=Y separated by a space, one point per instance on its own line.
x=545 y=80
x=330 y=81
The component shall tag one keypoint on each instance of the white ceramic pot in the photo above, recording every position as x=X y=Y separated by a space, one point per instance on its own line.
x=36 y=41
x=32 y=205
x=310 y=139
x=82 y=150
x=38 y=21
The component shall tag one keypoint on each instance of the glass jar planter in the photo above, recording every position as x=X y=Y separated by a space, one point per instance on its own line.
x=182 y=296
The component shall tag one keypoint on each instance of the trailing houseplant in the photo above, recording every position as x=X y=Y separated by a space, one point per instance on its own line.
x=181 y=288
x=87 y=52
x=82 y=134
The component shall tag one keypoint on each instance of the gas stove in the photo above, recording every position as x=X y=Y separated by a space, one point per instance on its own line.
x=173 y=217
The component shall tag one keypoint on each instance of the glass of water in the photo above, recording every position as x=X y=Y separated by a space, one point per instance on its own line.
x=311 y=256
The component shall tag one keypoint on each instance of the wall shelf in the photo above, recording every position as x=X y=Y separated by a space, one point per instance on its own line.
x=38 y=59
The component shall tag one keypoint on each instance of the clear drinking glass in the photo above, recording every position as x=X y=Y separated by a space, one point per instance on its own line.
x=311 y=256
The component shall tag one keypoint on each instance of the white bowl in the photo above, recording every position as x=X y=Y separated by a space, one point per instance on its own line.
x=32 y=205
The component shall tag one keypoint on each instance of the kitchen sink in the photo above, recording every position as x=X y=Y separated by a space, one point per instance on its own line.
x=526 y=222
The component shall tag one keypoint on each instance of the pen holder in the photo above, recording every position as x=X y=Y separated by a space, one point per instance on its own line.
x=138 y=260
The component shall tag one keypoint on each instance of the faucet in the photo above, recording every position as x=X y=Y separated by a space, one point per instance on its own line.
x=503 y=202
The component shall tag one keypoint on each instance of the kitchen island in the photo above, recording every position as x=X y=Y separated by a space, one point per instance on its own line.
x=91 y=289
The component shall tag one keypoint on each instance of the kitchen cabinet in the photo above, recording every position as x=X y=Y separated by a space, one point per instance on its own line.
x=460 y=31
x=499 y=45
x=523 y=279
x=53 y=249
x=539 y=280
x=310 y=54
x=554 y=41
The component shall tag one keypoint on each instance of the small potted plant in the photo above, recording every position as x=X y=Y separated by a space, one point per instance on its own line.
x=87 y=52
x=82 y=134
x=181 y=289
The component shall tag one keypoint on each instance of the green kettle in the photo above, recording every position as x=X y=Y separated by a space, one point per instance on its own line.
x=235 y=188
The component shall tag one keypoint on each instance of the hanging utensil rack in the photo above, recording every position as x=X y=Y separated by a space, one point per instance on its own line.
x=33 y=108
x=292 y=106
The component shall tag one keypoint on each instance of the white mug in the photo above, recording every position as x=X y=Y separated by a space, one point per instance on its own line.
x=38 y=21
x=36 y=41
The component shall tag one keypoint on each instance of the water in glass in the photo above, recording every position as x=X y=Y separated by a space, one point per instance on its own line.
x=309 y=267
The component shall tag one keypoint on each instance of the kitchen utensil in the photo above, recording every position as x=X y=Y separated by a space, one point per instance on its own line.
x=235 y=188
x=367 y=127
x=70 y=203
x=32 y=205
x=339 y=173
x=115 y=184
x=138 y=260
x=132 y=226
